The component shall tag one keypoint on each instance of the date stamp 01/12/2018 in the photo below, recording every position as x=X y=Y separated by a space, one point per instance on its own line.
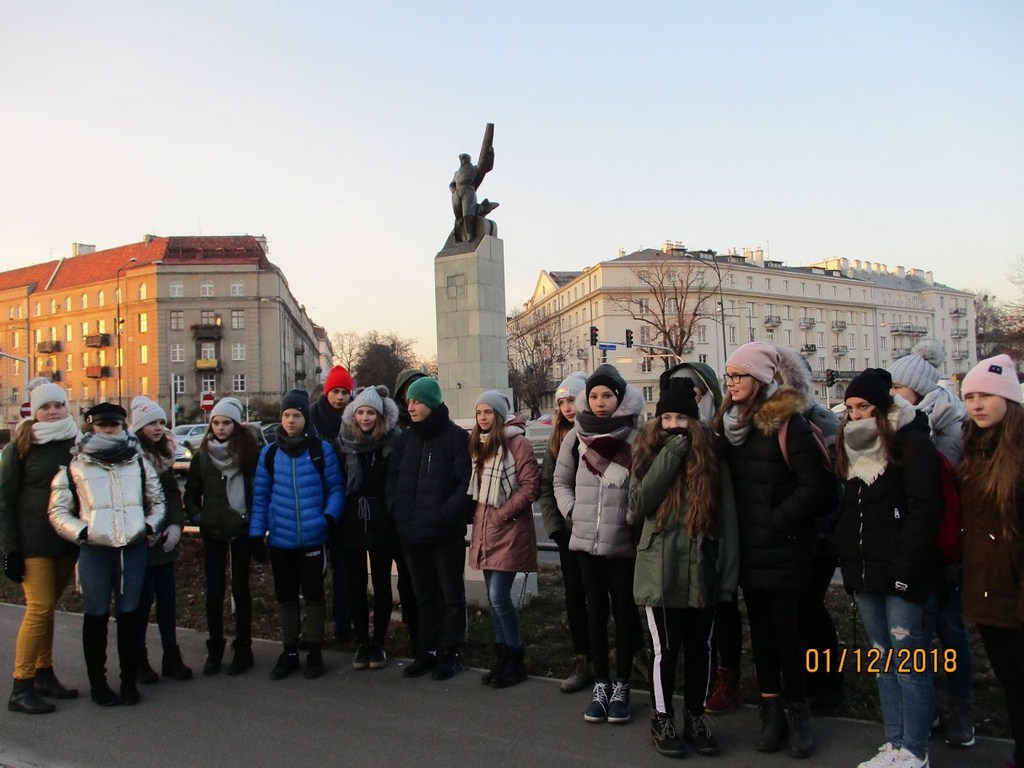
x=875 y=661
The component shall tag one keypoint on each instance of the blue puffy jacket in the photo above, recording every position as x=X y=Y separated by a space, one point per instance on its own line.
x=291 y=504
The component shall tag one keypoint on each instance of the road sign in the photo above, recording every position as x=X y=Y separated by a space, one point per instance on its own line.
x=605 y=346
x=26 y=410
x=206 y=401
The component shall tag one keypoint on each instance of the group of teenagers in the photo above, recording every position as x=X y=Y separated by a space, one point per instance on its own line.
x=658 y=525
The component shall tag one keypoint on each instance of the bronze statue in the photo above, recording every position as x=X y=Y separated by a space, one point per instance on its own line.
x=464 y=186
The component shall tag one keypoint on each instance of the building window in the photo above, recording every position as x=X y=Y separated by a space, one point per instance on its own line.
x=177 y=353
x=789 y=338
x=142 y=291
x=237 y=288
x=85 y=329
x=648 y=394
x=85 y=301
x=644 y=306
x=750 y=334
x=39 y=335
x=883 y=345
x=143 y=322
x=208 y=383
x=68 y=360
x=237 y=319
x=67 y=332
x=645 y=364
x=39 y=309
x=768 y=284
x=101 y=326
x=101 y=299
x=853 y=340
x=206 y=317
x=866 y=342
x=178 y=383
x=750 y=282
x=206 y=288
x=177 y=289
x=821 y=338
x=101 y=358
x=53 y=306
x=67 y=304
x=702 y=334
x=238 y=351
x=208 y=351
x=732 y=334
x=803 y=288
x=143 y=354
x=85 y=359
x=702 y=359
x=177 y=320
x=238 y=382
x=144 y=385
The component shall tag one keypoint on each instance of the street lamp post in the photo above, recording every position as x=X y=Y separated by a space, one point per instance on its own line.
x=721 y=308
x=119 y=322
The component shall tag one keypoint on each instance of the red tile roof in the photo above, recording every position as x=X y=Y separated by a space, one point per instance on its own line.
x=103 y=265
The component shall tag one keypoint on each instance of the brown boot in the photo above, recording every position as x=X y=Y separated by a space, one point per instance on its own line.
x=726 y=695
x=582 y=676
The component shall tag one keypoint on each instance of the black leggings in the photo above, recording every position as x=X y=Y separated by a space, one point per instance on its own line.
x=776 y=644
x=295 y=570
x=604 y=577
x=575 y=597
x=215 y=558
x=1005 y=650
x=383 y=601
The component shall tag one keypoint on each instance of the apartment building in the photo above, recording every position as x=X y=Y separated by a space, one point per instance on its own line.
x=840 y=314
x=168 y=317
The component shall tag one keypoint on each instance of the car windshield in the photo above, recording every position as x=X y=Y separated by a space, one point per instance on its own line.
x=185 y=429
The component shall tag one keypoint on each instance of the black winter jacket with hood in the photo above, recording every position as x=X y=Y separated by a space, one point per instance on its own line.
x=776 y=502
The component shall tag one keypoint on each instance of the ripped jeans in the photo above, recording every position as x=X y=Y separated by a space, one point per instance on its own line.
x=897 y=628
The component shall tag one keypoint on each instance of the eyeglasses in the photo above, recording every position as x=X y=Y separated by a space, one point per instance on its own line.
x=736 y=378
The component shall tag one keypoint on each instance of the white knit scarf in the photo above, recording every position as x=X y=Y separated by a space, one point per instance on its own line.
x=865 y=458
x=50 y=431
x=497 y=479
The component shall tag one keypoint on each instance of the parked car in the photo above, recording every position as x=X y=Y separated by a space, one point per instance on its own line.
x=190 y=435
x=182 y=458
x=269 y=431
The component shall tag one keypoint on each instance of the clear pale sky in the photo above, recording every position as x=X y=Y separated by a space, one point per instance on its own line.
x=892 y=132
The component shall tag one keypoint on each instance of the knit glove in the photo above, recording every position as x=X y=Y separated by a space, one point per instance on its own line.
x=172 y=535
x=14 y=566
x=678 y=444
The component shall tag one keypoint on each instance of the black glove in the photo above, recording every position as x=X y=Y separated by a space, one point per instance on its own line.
x=561 y=538
x=330 y=526
x=258 y=548
x=84 y=535
x=14 y=566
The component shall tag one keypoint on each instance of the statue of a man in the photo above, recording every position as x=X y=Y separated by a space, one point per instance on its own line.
x=464 y=186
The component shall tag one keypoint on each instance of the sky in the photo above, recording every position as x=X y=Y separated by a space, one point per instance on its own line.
x=881 y=131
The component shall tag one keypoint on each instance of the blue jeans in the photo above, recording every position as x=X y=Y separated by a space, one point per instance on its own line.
x=503 y=610
x=106 y=570
x=907 y=698
x=949 y=626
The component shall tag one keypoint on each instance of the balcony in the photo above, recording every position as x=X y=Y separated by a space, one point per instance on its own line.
x=898 y=352
x=207 y=331
x=772 y=321
x=840 y=351
x=98 y=340
x=807 y=323
x=958 y=333
x=48 y=347
x=211 y=364
x=300 y=375
x=958 y=312
x=51 y=375
x=960 y=354
x=838 y=325
x=919 y=330
x=808 y=349
x=901 y=329
x=300 y=350
x=98 y=371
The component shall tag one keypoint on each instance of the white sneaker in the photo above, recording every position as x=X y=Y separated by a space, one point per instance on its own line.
x=907 y=759
x=885 y=758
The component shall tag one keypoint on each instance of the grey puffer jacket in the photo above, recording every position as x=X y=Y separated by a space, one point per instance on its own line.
x=113 y=500
x=596 y=506
x=946 y=417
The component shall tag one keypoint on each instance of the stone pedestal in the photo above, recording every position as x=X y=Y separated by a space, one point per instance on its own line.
x=472 y=343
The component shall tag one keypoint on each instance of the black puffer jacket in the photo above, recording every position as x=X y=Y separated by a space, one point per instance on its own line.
x=886 y=533
x=428 y=477
x=25 y=498
x=777 y=505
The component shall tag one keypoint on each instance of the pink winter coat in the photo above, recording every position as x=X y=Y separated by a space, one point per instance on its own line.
x=503 y=537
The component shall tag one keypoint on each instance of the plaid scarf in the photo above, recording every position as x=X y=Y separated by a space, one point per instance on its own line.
x=606 y=446
x=496 y=481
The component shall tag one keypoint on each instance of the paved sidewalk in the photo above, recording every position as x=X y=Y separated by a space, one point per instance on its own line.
x=368 y=718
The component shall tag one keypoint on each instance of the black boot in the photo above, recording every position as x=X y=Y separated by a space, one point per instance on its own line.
x=500 y=658
x=128 y=651
x=48 y=685
x=24 y=699
x=287 y=662
x=514 y=670
x=314 y=662
x=173 y=666
x=214 y=656
x=773 y=725
x=146 y=675
x=94 y=645
x=241 y=657
x=801 y=743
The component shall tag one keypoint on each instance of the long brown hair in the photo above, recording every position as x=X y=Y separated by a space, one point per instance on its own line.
x=698 y=480
x=485 y=445
x=23 y=438
x=242 y=445
x=163 y=447
x=885 y=433
x=559 y=429
x=994 y=462
x=747 y=408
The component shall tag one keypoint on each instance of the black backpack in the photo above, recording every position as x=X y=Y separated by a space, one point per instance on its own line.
x=316 y=455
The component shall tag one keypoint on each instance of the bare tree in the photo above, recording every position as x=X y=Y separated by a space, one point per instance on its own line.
x=535 y=347
x=674 y=290
x=382 y=356
x=347 y=347
x=999 y=326
x=428 y=365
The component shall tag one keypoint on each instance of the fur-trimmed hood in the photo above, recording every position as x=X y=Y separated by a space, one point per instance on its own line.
x=777 y=409
x=632 y=402
x=795 y=371
x=390 y=414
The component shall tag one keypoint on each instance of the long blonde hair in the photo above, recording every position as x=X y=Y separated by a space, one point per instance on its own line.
x=559 y=430
x=699 y=478
x=994 y=462
x=483 y=446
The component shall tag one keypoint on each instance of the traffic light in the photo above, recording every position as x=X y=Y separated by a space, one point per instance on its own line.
x=629 y=337
x=593 y=335
x=830 y=377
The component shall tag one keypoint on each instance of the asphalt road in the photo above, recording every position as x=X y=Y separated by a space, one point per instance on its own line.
x=369 y=719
